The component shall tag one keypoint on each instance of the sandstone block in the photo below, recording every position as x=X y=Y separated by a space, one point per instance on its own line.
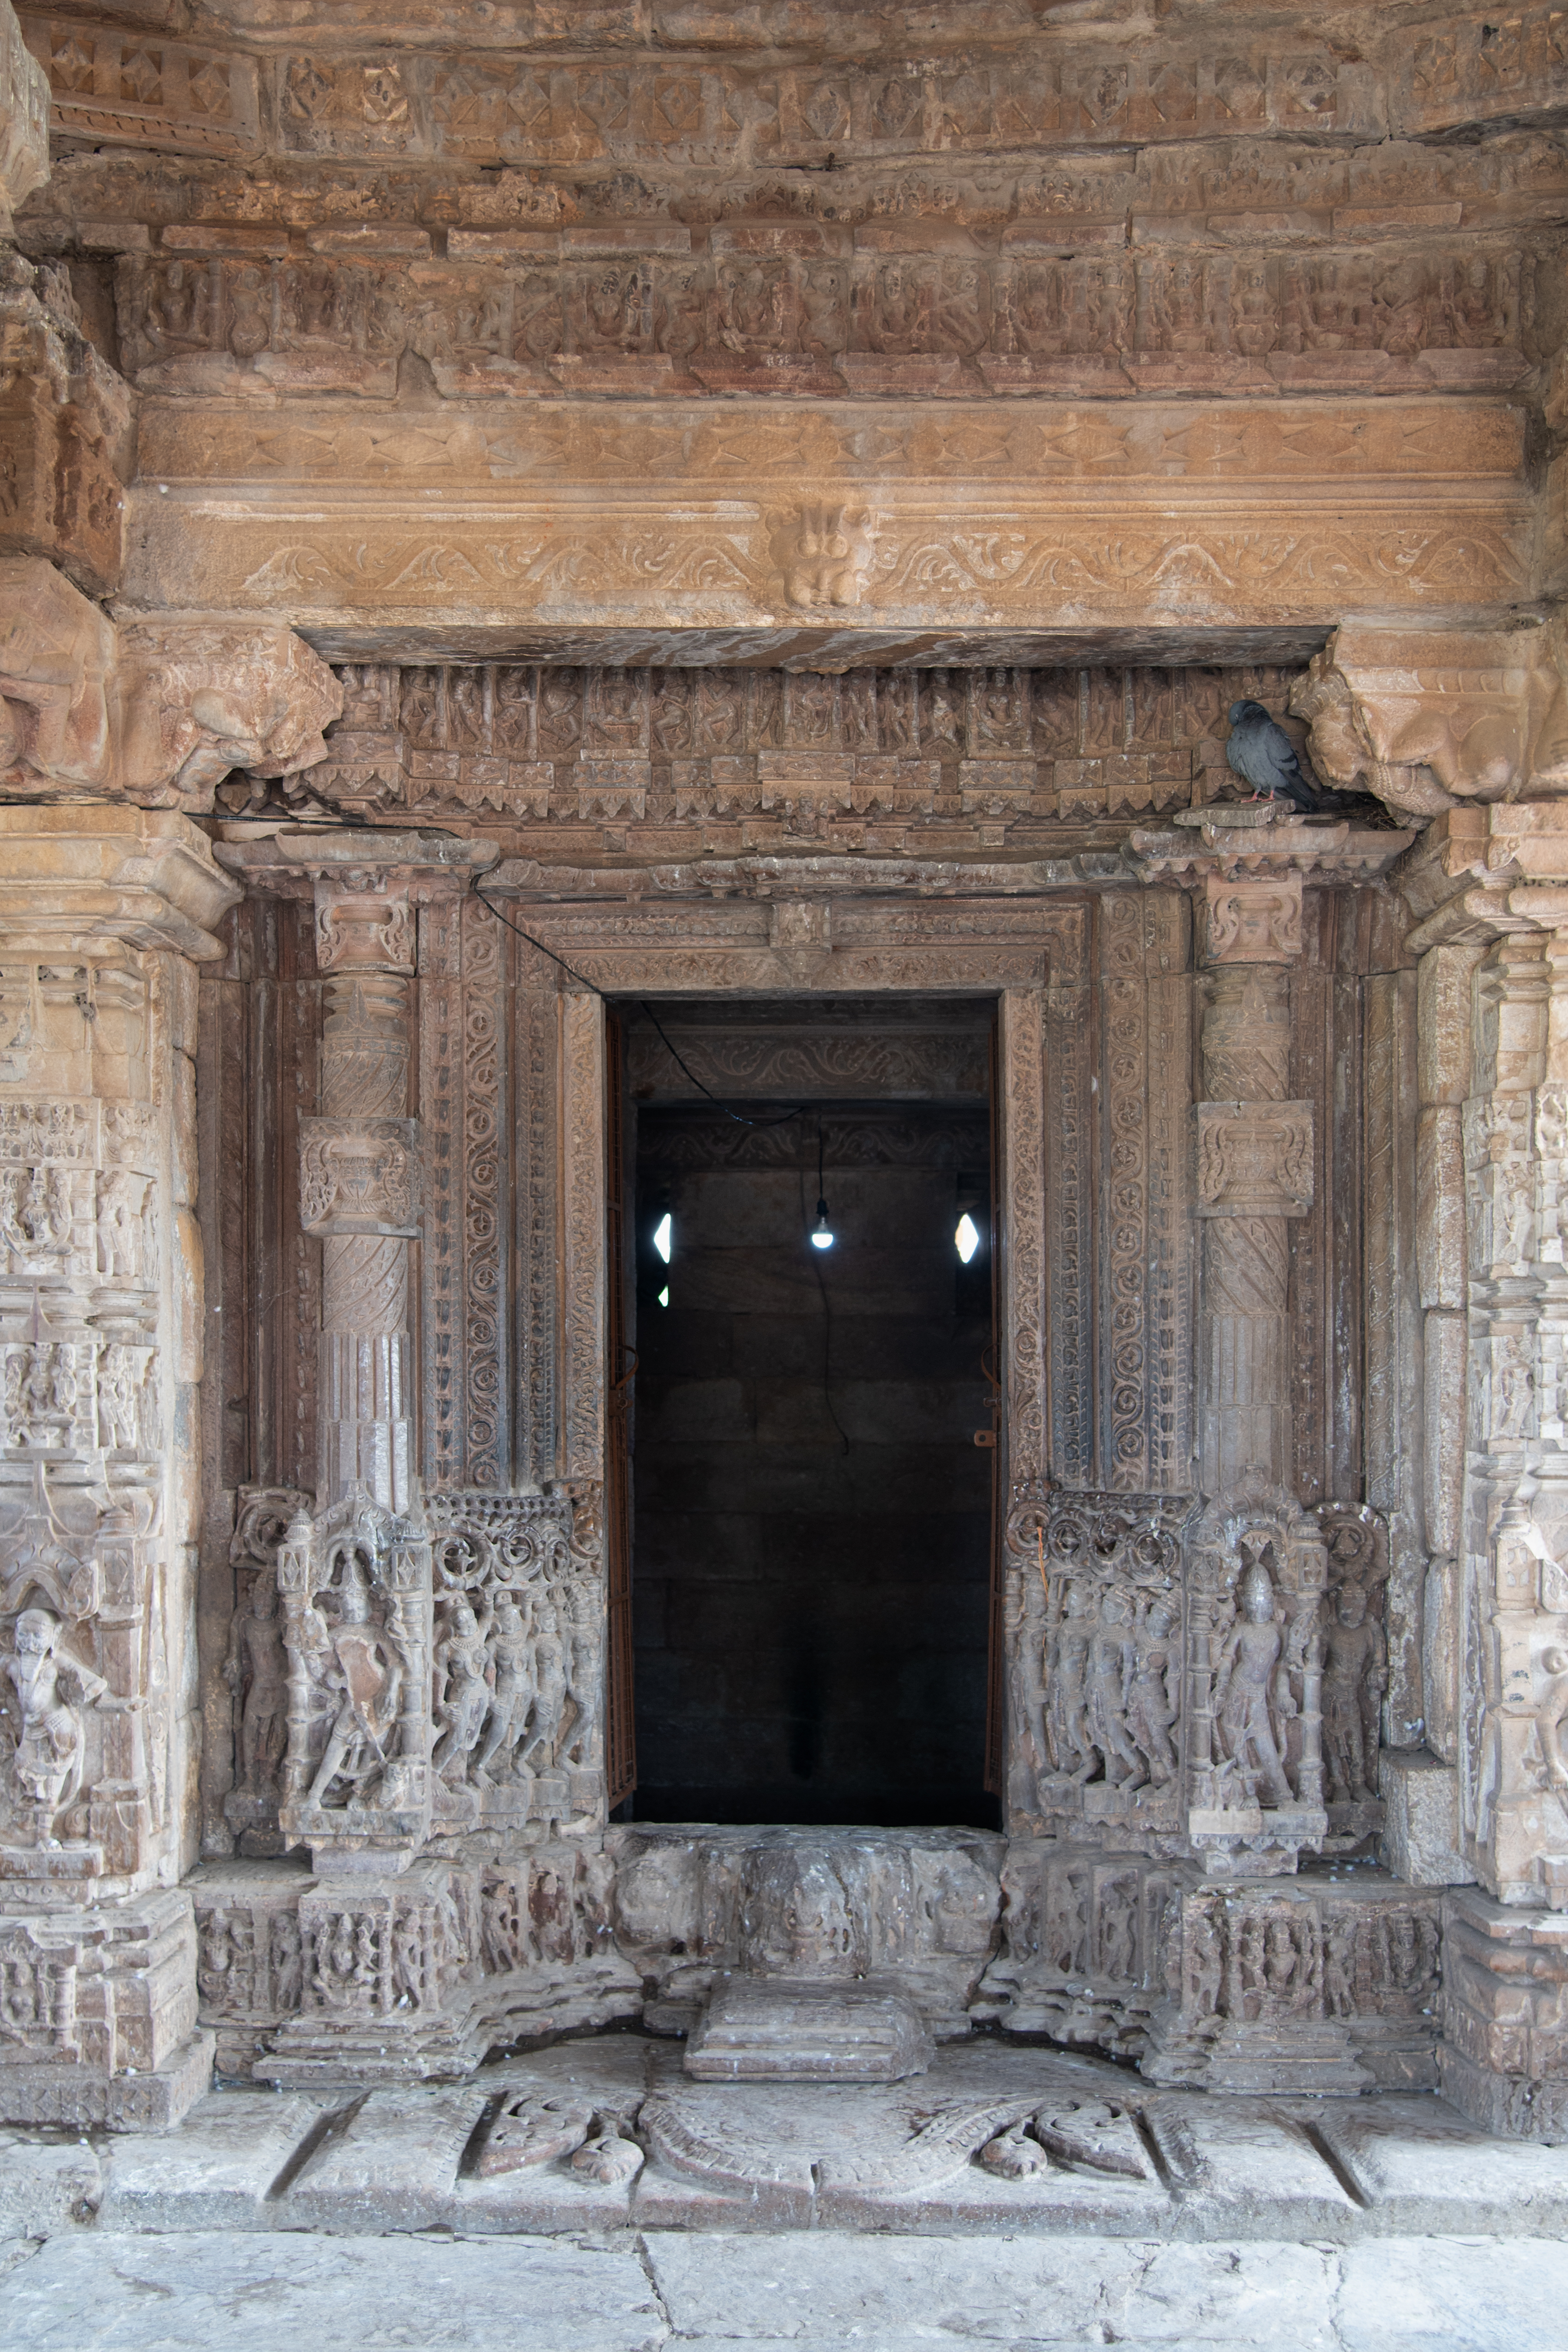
x=1421 y=1819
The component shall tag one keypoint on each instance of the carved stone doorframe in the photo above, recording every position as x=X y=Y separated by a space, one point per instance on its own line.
x=1031 y=957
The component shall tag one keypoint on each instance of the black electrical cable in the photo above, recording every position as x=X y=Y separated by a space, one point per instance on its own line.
x=827 y=1302
x=583 y=980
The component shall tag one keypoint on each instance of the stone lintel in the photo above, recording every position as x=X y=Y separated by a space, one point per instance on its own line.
x=92 y=880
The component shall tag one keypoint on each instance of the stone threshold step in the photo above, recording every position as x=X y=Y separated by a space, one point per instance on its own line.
x=609 y=2134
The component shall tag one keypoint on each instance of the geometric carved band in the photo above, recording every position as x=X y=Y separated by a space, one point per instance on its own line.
x=1255 y=1158
x=358 y=1176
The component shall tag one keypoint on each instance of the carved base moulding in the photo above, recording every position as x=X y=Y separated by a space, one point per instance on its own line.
x=99 y=2023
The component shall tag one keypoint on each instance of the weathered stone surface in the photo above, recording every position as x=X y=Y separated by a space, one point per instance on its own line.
x=1421 y=1836
x=153 y=713
x=487 y=2295
x=776 y=2032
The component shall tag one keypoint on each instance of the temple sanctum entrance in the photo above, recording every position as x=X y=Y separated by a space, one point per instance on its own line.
x=810 y=1309
x=783 y=1117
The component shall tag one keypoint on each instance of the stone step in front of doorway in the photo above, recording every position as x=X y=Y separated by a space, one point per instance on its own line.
x=608 y=2132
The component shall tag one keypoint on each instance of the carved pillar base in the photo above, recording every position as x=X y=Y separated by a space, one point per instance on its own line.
x=397 y=1977
x=1503 y=2057
x=1301 y=1985
x=100 y=2015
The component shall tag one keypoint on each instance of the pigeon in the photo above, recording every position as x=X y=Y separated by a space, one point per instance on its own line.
x=1263 y=755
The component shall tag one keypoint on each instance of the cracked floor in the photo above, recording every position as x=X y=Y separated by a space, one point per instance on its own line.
x=592 y=2196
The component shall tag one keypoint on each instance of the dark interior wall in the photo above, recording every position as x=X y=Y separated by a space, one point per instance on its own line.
x=811 y=1558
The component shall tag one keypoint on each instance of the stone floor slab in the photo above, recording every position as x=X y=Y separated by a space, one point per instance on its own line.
x=47 y=2182
x=215 y=2172
x=1422 y=2166
x=394 y=2166
x=1448 y=2294
x=1241 y=2169
x=95 y=2292
x=866 y=2292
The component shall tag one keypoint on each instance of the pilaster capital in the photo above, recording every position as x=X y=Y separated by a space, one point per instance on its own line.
x=1250 y=861
x=1486 y=872
x=154 y=712
x=89 y=882
x=364 y=880
x=1425 y=718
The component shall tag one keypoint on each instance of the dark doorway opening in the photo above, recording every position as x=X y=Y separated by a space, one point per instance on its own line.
x=812 y=1517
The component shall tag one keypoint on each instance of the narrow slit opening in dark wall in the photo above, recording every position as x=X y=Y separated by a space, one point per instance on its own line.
x=811 y=1515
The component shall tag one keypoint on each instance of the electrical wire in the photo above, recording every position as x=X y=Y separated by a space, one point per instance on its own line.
x=816 y=1255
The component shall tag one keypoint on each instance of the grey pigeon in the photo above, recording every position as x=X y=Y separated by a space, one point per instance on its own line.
x=1263 y=756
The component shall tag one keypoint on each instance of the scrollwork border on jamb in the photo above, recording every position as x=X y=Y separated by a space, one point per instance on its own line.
x=1036 y=1066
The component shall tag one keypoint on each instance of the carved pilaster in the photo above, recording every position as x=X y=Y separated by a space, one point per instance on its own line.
x=100 y=1274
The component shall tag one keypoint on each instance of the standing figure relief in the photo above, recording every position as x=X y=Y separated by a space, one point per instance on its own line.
x=1252 y=1695
x=363 y=1667
x=45 y=1694
x=1098 y=1681
x=518 y=1660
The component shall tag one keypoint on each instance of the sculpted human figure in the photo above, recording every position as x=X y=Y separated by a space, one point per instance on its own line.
x=461 y=1687
x=257 y=1672
x=46 y=1764
x=1151 y=1700
x=1354 y=1676
x=120 y=1197
x=1113 y=1659
x=1251 y=1694
x=584 y=1668
x=510 y=1693
x=367 y=1673
x=550 y=1688
x=1067 y=1739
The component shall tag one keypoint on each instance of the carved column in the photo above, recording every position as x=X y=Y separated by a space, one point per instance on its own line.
x=1255 y=1172
x=104 y=913
x=1490 y=887
x=359 y=1190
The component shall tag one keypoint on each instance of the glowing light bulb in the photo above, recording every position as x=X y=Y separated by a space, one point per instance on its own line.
x=966 y=1240
x=661 y=1233
x=822 y=1231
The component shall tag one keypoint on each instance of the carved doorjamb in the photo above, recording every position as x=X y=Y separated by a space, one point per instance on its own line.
x=1031 y=957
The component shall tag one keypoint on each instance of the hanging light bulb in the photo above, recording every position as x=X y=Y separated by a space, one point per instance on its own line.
x=821 y=1232
x=966 y=1240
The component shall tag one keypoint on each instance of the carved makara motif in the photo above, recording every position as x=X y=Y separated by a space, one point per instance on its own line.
x=1255 y=1158
x=358 y=1176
